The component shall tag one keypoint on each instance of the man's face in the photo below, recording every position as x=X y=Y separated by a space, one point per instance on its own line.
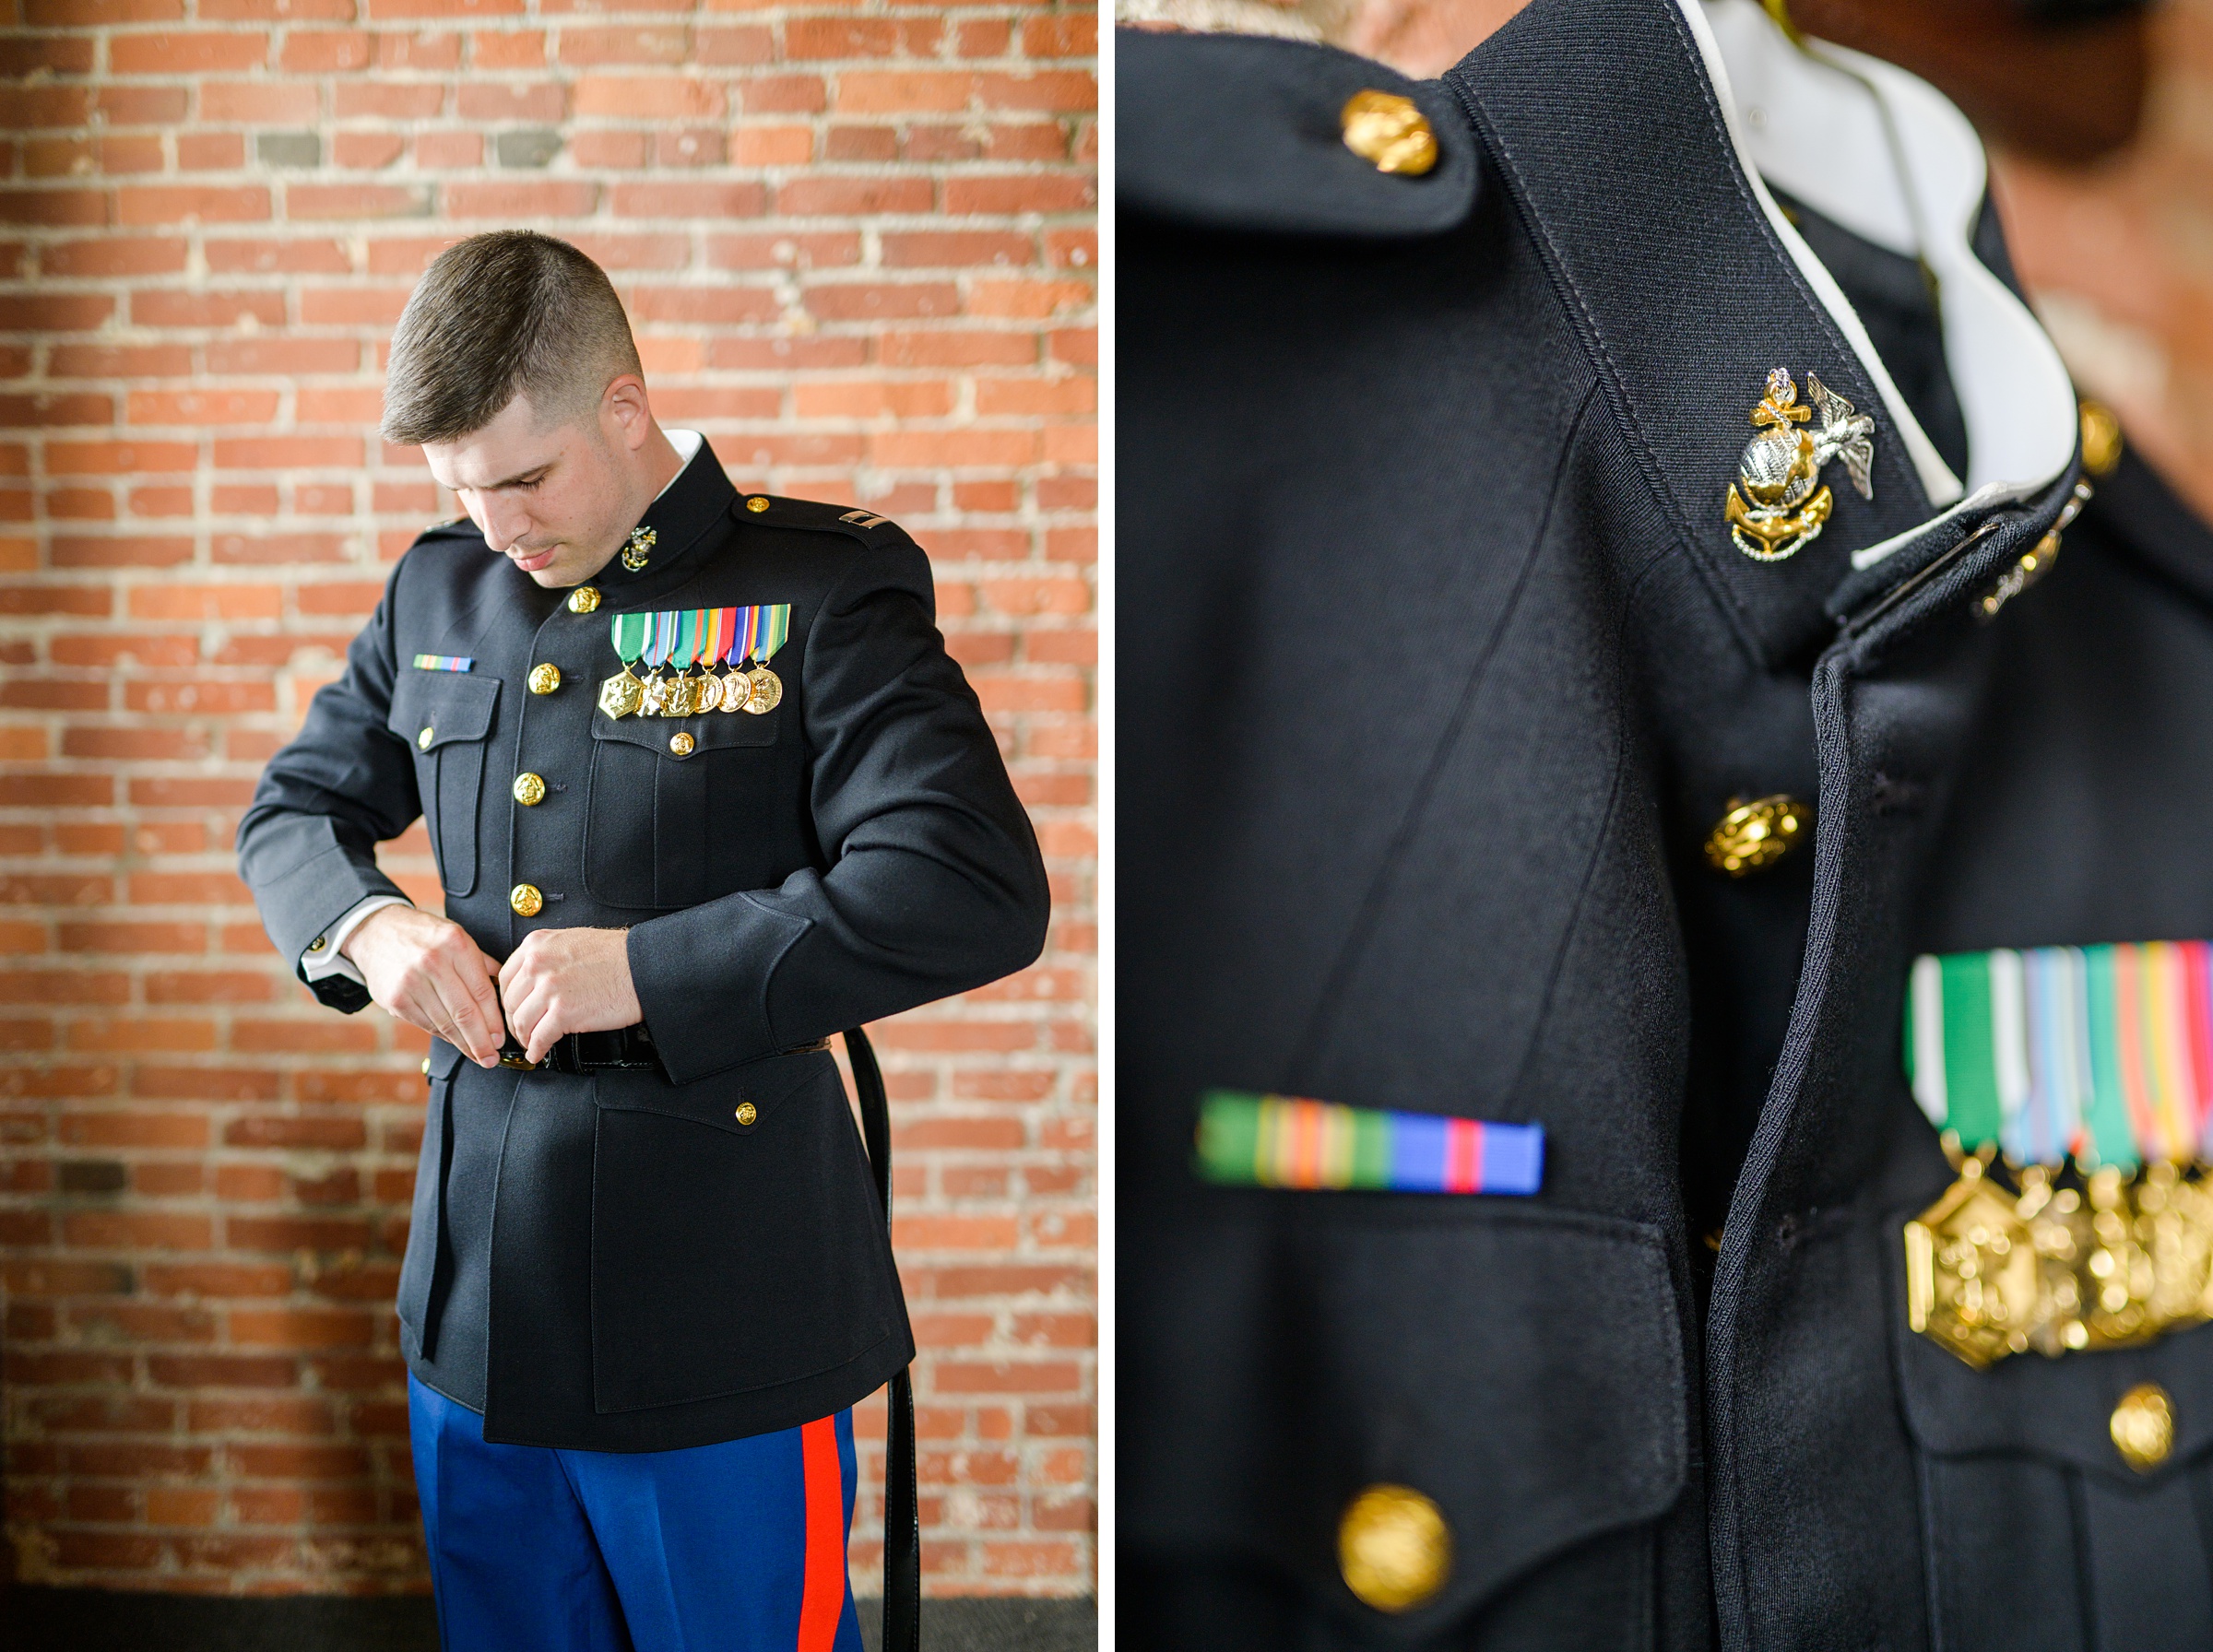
x=556 y=501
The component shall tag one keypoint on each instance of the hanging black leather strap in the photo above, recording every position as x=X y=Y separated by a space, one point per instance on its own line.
x=901 y=1517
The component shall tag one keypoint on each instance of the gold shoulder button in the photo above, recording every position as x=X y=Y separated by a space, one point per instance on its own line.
x=756 y=504
x=1388 y=133
x=1394 y=1548
x=2143 y=1426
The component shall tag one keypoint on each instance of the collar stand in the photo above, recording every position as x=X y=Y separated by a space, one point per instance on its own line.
x=1886 y=157
x=678 y=518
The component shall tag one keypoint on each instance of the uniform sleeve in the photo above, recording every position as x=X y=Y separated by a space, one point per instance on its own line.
x=307 y=846
x=935 y=884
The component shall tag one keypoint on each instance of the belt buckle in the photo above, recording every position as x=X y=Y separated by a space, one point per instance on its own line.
x=514 y=1060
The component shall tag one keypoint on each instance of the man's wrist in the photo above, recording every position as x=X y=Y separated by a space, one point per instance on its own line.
x=328 y=953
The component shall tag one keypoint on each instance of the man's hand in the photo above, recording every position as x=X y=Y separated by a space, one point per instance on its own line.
x=426 y=970
x=564 y=981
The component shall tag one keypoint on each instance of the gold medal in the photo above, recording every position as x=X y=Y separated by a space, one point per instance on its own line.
x=621 y=694
x=732 y=691
x=653 y=699
x=767 y=692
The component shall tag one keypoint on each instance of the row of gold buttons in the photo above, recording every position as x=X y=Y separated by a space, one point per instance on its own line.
x=527 y=899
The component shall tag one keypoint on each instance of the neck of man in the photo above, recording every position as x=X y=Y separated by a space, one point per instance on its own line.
x=662 y=466
x=655 y=466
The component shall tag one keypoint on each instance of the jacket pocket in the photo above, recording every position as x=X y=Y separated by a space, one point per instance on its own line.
x=737 y=1242
x=2037 y=1535
x=447 y=718
x=1523 y=1370
x=667 y=854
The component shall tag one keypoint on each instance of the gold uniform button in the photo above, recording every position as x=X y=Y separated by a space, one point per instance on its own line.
x=583 y=600
x=682 y=743
x=2143 y=1426
x=426 y=1067
x=1388 y=133
x=544 y=679
x=1394 y=1548
x=2101 y=441
x=317 y=944
x=425 y=737
x=529 y=790
x=746 y=1113
x=526 y=900
x=1754 y=835
x=756 y=504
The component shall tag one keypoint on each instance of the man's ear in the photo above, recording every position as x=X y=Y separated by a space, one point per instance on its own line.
x=625 y=405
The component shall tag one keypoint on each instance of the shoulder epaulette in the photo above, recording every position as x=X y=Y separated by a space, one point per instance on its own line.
x=854 y=523
x=1246 y=134
x=458 y=528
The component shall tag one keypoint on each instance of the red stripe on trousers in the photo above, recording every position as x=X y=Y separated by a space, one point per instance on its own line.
x=822 y=1602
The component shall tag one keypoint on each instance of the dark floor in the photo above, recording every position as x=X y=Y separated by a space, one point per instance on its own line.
x=36 y=1619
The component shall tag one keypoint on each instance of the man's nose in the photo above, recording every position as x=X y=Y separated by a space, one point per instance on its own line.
x=504 y=521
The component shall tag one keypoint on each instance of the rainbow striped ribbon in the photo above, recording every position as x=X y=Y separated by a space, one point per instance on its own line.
x=1286 y=1141
x=444 y=662
x=680 y=637
x=2102 y=1054
x=758 y=633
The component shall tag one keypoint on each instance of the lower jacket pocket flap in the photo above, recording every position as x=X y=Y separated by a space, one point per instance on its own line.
x=738 y=1099
x=1521 y=1371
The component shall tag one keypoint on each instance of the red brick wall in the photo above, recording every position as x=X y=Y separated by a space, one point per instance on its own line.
x=857 y=242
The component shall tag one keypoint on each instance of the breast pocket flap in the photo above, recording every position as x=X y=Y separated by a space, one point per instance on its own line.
x=711 y=731
x=1519 y=1369
x=430 y=714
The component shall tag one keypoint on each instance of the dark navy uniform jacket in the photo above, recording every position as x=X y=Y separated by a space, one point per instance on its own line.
x=1437 y=666
x=611 y=1260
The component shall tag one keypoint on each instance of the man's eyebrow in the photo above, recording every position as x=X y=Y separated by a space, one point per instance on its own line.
x=519 y=477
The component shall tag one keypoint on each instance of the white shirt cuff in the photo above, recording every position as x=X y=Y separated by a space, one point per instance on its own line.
x=322 y=958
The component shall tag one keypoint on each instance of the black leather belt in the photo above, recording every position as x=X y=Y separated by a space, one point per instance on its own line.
x=578 y=1052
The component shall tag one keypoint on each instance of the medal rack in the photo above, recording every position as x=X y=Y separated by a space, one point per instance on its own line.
x=685 y=640
x=2073 y=1089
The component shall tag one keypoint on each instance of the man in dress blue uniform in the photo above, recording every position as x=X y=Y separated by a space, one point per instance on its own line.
x=704 y=787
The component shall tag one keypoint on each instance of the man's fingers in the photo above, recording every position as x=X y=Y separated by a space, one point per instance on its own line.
x=476 y=1032
x=460 y=972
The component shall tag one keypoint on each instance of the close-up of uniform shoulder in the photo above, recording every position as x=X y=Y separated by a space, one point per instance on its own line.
x=457 y=531
x=852 y=522
x=1275 y=137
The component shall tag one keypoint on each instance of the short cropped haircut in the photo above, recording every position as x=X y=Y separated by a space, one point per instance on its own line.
x=496 y=316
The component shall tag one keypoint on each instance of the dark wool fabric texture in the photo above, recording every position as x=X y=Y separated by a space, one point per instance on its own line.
x=1437 y=666
x=610 y=1261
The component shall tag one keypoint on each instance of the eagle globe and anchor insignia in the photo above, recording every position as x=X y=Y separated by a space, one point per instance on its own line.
x=1777 y=505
